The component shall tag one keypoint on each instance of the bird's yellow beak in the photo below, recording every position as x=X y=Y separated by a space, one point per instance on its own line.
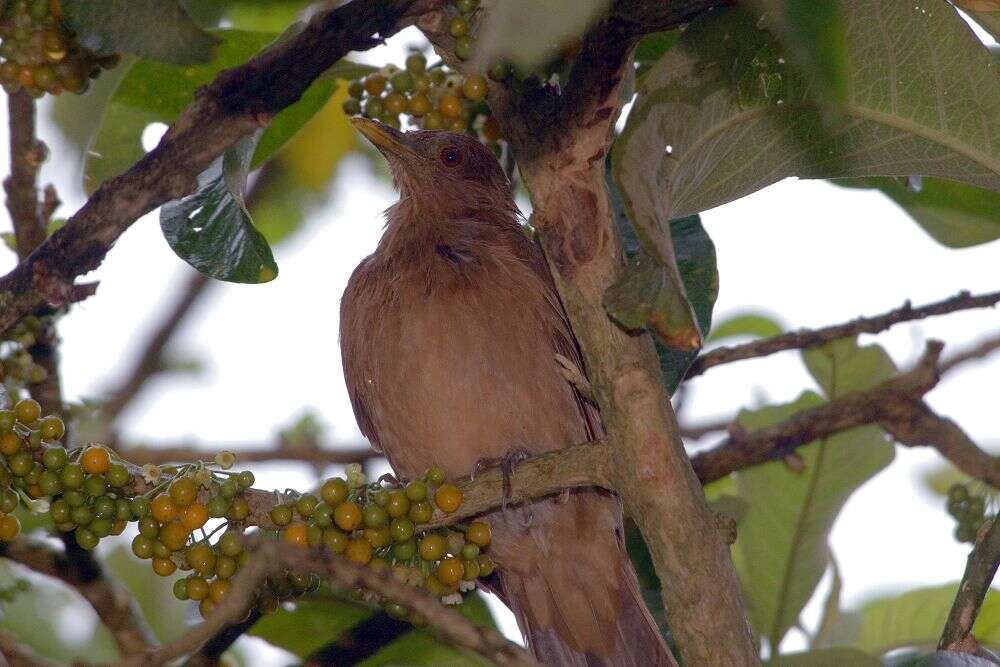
x=388 y=140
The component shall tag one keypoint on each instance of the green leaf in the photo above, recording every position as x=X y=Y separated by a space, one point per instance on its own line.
x=309 y=625
x=652 y=47
x=753 y=325
x=528 y=32
x=164 y=613
x=156 y=29
x=312 y=624
x=733 y=118
x=815 y=36
x=153 y=92
x=830 y=657
x=34 y=618
x=211 y=229
x=783 y=540
x=917 y=617
x=274 y=16
x=954 y=214
x=696 y=263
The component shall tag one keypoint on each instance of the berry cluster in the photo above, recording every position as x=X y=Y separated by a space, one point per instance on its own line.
x=17 y=367
x=91 y=493
x=40 y=55
x=968 y=510
x=431 y=98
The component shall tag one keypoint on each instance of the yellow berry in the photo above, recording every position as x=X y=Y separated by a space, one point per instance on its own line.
x=448 y=497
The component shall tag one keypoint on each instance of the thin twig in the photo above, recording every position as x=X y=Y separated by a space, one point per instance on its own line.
x=979 y=572
x=814 y=337
x=314 y=453
x=26 y=157
x=983 y=348
x=272 y=557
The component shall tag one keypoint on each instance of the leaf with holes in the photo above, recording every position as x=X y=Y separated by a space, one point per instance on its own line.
x=954 y=214
x=211 y=229
x=156 y=29
x=734 y=118
x=782 y=544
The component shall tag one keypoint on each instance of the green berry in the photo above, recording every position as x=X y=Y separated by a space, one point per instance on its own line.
x=245 y=479
x=72 y=476
x=8 y=501
x=463 y=48
x=416 y=63
x=958 y=492
x=181 y=589
x=95 y=485
x=281 y=515
x=466 y=6
x=401 y=529
x=123 y=509
x=49 y=483
x=334 y=491
x=372 y=107
x=356 y=89
x=117 y=475
x=105 y=507
x=416 y=491
x=60 y=511
x=142 y=547
x=306 y=505
x=380 y=497
x=52 y=427
x=470 y=551
x=351 y=106
x=7 y=420
x=231 y=543
x=149 y=527
x=435 y=476
x=229 y=488
x=322 y=516
x=218 y=507
x=140 y=506
x=21 y=464
x=402 y=81
x=75 y=497
x=82 y=516
x=54 y=458
x=86 y=539
x=374 y=516
x=404 y=550
x=458 y=26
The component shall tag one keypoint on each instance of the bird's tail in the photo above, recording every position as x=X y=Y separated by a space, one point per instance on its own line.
x=571 y=585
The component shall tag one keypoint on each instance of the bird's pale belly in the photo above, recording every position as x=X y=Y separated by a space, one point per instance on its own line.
x=471 y=383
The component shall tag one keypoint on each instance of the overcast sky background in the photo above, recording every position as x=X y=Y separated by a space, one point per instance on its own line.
x=806 y=252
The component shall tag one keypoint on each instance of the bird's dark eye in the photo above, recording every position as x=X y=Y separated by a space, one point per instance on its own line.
x=451 y=156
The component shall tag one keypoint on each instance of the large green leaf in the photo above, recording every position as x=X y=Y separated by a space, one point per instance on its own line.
x=154 y=92
x=156 y=29
x=916 y=618
x=782 y=546
x=733 y=118
x=211 y=229
x=309 y=625
x=815 y=36
x=954 y=214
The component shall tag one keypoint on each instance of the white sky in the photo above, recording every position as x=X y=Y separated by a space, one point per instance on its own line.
x=807 y=252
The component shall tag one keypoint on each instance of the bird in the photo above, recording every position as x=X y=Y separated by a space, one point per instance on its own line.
x=450 y=336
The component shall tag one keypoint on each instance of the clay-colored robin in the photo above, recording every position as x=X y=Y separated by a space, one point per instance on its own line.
x=449 y=335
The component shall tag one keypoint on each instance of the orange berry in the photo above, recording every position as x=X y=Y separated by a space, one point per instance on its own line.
x=164 y=566
x=174 y=535
x=183 y=491
x=95 y=460
x=205 y=607
x=296 y=534
x=450 y=571
x=197 y=588
x=118 y=527
x=479 y=533
x=450 y=106
x=374 y=84
x=448 y=497
x=9 y=527
x=347 y=516
x=10 y=443
x=163 y=508
x=359 y=551
x=218 y=589
x=475 y=87
x=35 y=491
x=194 y=516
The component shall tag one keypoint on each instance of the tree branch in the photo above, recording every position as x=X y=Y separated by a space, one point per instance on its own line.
x=814 y=337
x=314 y=453
x=236 y=103
x=979 y=572
x=984 y=348
x=272 y=557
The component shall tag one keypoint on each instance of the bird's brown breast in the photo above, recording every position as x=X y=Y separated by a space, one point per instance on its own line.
x=449 y=346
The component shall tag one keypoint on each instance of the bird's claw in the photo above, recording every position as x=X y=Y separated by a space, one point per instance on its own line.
x=506 y=463
x=390 y=478
x=572 y=373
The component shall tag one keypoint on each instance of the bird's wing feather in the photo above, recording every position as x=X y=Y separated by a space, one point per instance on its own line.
x=357 y=320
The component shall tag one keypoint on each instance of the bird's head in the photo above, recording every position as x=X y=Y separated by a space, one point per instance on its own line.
x=442 y=172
